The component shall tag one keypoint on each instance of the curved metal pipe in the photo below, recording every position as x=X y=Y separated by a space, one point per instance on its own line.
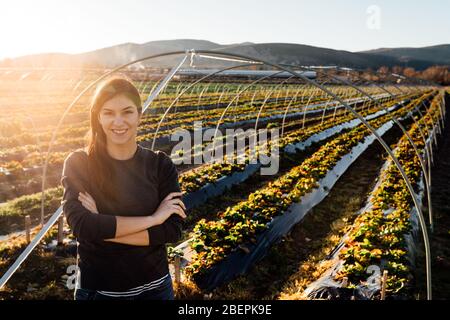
x=231 y=102
x=267 y=97
x=404 y=176
x=224 y=54
x=184 y=91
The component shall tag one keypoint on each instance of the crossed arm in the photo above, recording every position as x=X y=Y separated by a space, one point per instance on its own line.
x=133 y=230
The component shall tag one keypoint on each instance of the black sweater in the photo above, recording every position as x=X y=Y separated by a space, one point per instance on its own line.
x=142 y=183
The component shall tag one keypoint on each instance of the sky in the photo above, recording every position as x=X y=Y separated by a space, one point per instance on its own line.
x=69 y=26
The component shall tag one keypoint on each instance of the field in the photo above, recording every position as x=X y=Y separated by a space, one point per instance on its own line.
x=336 y=221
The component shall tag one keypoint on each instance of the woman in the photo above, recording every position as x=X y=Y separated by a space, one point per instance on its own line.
x=122 y=202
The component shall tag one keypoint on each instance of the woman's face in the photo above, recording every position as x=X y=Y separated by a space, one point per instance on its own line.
x=119 y=118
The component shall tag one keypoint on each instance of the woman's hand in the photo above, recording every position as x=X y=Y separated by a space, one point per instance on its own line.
x=170 y=205
x=88 y=202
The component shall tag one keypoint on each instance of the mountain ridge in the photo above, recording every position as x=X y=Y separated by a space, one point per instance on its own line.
x=289 y=53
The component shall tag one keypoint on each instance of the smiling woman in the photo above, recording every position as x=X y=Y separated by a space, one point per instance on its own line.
x=122 y=203
x=120 y=117
x=116 y=107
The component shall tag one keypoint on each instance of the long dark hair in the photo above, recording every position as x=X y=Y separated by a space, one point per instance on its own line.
x=101 y=169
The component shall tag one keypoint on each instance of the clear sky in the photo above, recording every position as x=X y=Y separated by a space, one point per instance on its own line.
x=36 y=26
